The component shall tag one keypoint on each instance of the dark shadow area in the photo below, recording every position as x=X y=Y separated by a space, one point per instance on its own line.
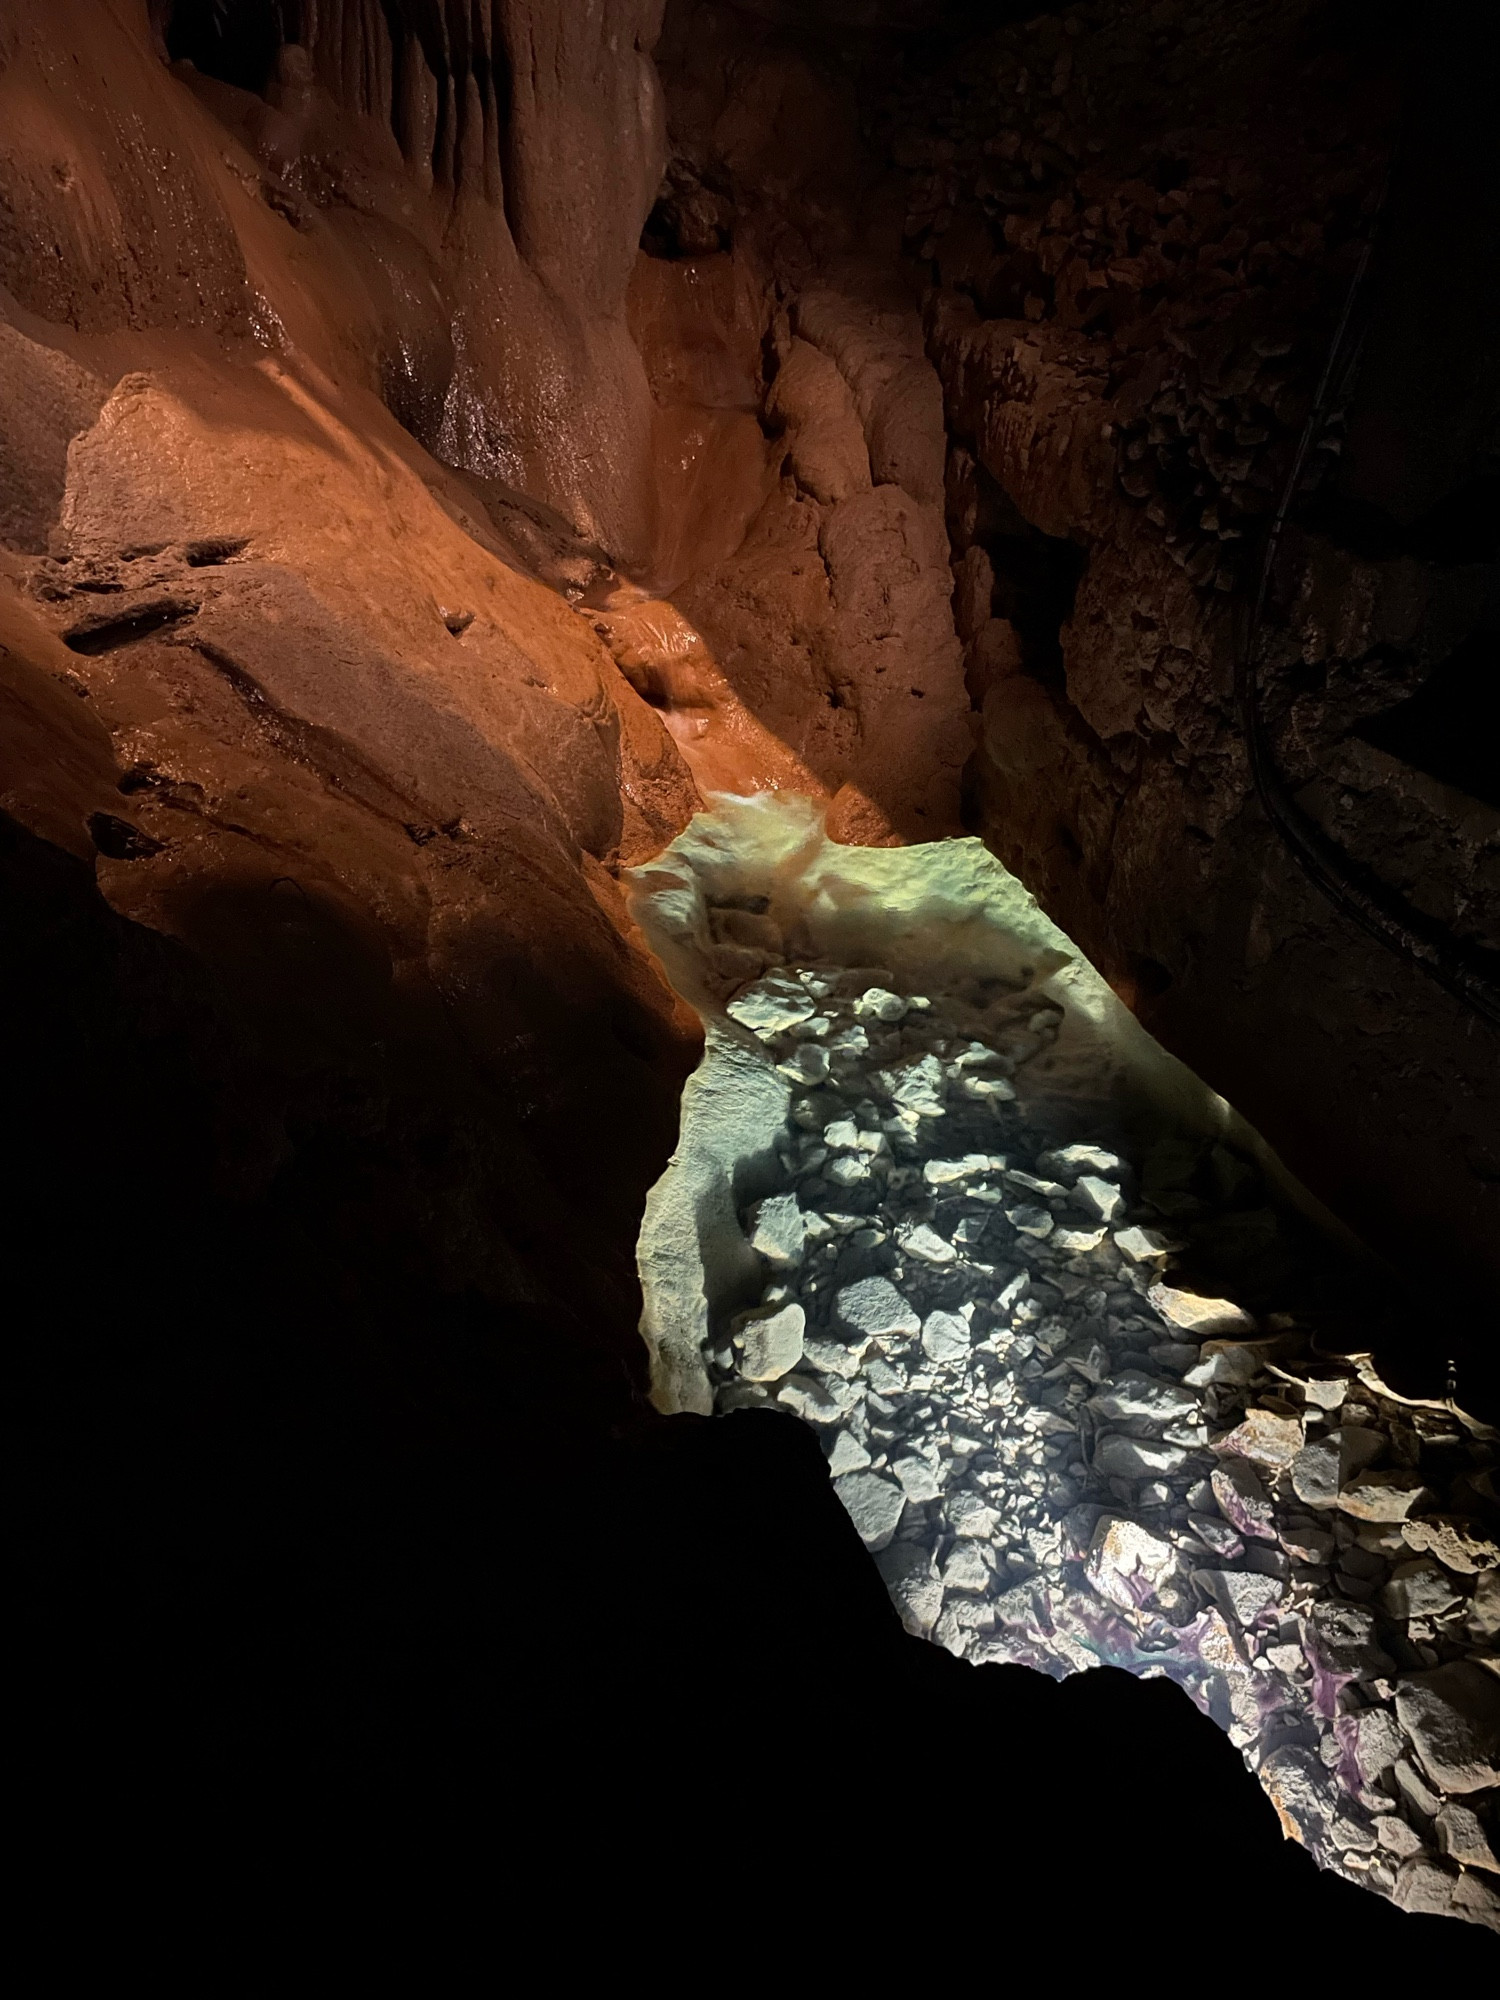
x=333 y=1568
x=1036 y=577
x=234 y=40
x=691 y=217
x=1450 y=728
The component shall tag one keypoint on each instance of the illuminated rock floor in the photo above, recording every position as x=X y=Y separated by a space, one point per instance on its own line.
x=1060 y=1460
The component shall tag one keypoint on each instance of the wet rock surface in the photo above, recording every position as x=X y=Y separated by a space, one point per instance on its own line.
x=1062 y=1461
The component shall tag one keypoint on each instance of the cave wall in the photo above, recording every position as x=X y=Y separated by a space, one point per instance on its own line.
x=298 y=694
x=333 y=389
x=1137 y=273
x=918 y=457
x=1129 y=234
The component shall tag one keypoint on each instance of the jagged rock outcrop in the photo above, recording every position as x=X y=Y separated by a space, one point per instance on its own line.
x=1139 y=228
x=1130 y=236
x=305 y=697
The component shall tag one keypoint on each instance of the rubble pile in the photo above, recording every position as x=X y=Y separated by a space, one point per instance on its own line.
x=1062 y=1459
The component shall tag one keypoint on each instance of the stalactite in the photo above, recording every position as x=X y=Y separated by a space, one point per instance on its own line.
x=447 y=121
x=484 y=45
x=470 y=151
x=417 y=111
x=367 y=99
x=323 y=43
x=385 y=82
x=349 y=91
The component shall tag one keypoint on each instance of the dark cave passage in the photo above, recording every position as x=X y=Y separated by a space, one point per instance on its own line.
x=236 y=41
x=1450 y=728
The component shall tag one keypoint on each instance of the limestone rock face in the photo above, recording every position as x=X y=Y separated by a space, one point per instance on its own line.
x=1127 y=367
x=828 y=451
x=477 y=264
x=317 y=420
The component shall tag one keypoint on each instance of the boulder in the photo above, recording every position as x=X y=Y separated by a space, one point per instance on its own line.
x=772 y=1344
x=1452 y=1715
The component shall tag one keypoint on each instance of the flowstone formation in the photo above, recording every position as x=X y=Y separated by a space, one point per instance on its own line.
x=1058 y=1456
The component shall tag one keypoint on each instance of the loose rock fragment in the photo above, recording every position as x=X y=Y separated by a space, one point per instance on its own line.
x=1307 y=1544
x=1315 y=1473
x=1082 y=1159
x=1099 y=1198
x=771 y=1006
x=1383 y=1496
x=806 y=1064
x=1457 y=1544
x=1134 y=1395
x=1242 y=1596
x=1078 y=1241
x=820 y=1402
x=1341 y=1638
x=918 y=1480
x=1265 y=1436
x=832 y=1357
x=1378 y=1742
x=966 y=1568
x=920 y=1087
x=1419 y=1589
x=1462 y=1839
x=873 y=1504
x=1425 y=1886
x=946 y=1337
x=1243 y=1500
x=920 y=1241
x=779 y=1230
x=848 y=1454
x=1143 y=1246
x=942 y=1172
x=1127 y=1563
x=772 y=1345
x=1415 y=1789
x=1452 y=1715
x=877 y=1004
x=1228 y=1361
x=1200 y=1316
x=1396 y=1836
x=1117 y=1457
x=873 y=1306
x=916 y=1592
x=1216 y=1535
x=1298 y=1787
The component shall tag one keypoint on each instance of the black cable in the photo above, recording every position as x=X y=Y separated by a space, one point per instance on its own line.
x=1380 y=911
